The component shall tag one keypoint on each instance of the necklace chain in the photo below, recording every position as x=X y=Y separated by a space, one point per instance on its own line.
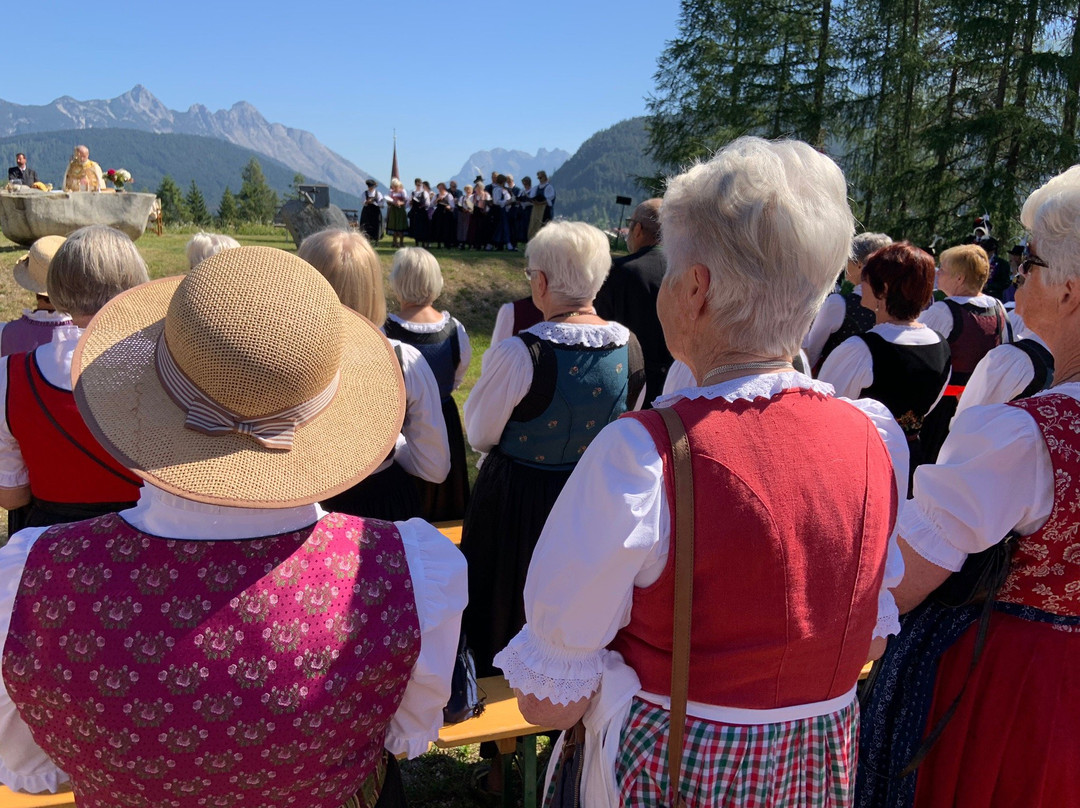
x=572 y=314
x=774 y=364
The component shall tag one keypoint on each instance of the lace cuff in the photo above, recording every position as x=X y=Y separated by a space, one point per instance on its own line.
x=888 y=620
x=545 y=671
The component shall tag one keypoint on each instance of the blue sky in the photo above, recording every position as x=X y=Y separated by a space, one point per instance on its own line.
x=451 y=77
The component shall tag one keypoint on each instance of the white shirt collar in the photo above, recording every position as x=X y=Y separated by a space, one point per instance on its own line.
x=42 y=316
x=748 y=388
x=160 y=513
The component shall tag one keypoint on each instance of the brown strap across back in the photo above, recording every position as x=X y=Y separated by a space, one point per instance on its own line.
x=684 y=596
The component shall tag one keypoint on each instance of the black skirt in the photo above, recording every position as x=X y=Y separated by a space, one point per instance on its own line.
x=388 y=495
x=442 y=502
x=506 y=513
x=371 y=222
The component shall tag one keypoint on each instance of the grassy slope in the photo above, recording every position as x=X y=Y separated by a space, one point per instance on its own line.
x=476 y=284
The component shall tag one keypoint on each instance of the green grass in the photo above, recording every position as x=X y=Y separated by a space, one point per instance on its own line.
x=475 y=285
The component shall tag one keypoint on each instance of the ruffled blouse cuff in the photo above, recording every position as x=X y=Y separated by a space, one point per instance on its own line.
x=49 y=779
x=546 y=671
x=927 y=539
x=888 y=621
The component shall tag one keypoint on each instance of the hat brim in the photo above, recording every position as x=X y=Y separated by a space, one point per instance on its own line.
x=121 y=398
x=22 y=275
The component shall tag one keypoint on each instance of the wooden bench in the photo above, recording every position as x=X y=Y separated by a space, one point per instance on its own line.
x=9 y=799
x=451 y=529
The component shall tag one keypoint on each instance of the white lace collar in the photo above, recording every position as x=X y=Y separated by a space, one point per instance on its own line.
x=422 y=328
x=42 y=316
x=591 y=336
x=748 y=388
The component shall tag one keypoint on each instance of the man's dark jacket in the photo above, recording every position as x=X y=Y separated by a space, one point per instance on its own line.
x=27 y=175
x=628 y=296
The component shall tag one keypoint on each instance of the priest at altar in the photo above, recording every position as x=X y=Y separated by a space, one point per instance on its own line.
x=82 y=170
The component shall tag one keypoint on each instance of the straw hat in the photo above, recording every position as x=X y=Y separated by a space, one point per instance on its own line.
x=257 y=332
x=32 y=270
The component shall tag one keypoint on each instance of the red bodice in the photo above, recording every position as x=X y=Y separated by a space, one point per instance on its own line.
x=791 y=530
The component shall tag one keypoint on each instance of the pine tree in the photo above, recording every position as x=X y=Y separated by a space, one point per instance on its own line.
x=257 y=201
x=173 y=209
x=228 y=214
x=196 y=206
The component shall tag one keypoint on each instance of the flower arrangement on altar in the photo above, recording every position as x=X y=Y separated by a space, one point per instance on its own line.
x=119 y=177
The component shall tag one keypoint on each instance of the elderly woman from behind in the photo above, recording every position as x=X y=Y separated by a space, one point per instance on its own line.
x=203 y=245
x=1005 y=471
x=542 y=397
x=48 y=457
x=789 y=567
x=417 y=282
x=348 y=261
x=899 y=362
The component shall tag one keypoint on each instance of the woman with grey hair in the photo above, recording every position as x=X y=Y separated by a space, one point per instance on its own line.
x=541 y=399
x=788 y=561
x=417 y=282
x=1003 y=672
x=203 y=245
x=843 y=314
x=48 y=457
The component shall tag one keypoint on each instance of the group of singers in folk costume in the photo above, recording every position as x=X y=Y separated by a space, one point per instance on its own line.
x=221 y=586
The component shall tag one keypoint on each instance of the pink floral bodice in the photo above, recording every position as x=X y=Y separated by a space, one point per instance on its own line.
x=213 y=673
x=1046 y=565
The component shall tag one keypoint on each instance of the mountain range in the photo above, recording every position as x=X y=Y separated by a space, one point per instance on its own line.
x=241 y=125
x=518 y=163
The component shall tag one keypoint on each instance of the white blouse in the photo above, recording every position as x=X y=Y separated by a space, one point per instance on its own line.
x=439 y=580
x=578 y=594
x=422 y=448
x=504 y=324
x=939 y=315
x=435 y=328
x=41 y=316
x=850 y=367
x=679 y=377
x=54 y=360
x=993 y=475
x=507 y=375
x=1000 y=376
x=827 y=322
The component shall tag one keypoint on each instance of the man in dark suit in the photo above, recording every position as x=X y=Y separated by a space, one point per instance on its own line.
x=628 y=296
x=19 y=171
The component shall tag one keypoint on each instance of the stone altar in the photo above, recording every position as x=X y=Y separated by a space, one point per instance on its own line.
x=27 y=215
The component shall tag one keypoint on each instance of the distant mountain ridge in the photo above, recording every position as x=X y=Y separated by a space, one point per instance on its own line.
x=607 y=165
x=516 y=162
x=242 y=125
x=213 y=163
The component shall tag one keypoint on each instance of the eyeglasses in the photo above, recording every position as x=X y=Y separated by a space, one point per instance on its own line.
x=529 y=273
x=630 y=223
x=1030 y=261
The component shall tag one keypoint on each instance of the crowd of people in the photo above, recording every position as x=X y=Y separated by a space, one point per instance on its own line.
x=718 y=476
x=497 y=216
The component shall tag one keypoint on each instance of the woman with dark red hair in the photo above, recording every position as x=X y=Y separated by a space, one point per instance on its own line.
x=900 y=362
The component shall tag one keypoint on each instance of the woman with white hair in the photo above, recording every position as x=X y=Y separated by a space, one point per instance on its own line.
x=49 y=460
x=788 y=558
x=1002 y=495
x=541 y=399
x=203 y=245
x=348 y=261
x=417 y=282
x=843 y=314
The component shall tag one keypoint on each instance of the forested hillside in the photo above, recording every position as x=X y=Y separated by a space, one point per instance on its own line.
x=212 y=163
x=607 y=165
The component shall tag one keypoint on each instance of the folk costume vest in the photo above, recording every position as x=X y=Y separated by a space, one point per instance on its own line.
x=857 y=320
x=975 y=331
x=576 y=391
x=1043 y=566
x=26 y=334
x=65 y=462
x=1042 y=366
x=526 y=315
x=787 y=567
x=440 y=349
x=218 y=673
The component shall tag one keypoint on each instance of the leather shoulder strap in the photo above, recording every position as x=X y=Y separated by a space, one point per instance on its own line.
x=684 y=597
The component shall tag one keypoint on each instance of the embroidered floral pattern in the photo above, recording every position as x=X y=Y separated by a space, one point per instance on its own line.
x=213 y=673
x=1044 y=572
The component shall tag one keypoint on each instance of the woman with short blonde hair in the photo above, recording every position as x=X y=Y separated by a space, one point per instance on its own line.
x=203 y=245
x=347 y=260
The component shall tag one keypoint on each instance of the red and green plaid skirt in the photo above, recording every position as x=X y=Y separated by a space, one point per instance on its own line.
x=791 y=764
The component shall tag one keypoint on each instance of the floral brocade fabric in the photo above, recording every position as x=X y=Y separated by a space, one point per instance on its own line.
x=1046 y=565
x=213 y=673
